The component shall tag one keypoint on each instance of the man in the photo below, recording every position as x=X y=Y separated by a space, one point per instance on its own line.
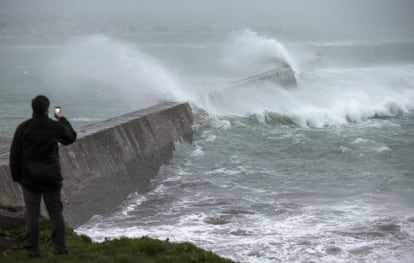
x=34 y=164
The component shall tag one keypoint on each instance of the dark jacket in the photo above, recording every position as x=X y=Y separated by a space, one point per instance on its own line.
x=34 y=153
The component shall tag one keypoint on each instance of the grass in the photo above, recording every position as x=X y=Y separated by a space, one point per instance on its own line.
x=82 y=249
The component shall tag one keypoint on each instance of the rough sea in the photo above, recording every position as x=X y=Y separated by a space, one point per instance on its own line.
x=323 y=172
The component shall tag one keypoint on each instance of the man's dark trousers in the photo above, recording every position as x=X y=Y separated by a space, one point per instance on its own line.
x=54 y=208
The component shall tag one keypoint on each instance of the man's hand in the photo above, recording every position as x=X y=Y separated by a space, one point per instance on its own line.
x=59 y=114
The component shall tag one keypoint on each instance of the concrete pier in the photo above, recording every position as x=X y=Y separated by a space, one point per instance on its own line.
x=283 y=76
x=111 y=160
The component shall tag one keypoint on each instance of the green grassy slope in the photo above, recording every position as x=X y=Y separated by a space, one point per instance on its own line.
x=81 y=249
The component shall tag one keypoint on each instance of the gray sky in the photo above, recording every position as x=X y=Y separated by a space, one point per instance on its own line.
x=363 y=16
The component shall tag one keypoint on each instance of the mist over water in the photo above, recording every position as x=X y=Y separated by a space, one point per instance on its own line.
x=318 y=173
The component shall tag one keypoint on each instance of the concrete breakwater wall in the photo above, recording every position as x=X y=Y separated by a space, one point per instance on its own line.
x=283 y=76
x=111 y=160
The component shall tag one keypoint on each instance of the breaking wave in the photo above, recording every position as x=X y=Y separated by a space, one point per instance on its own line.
x=324 y=97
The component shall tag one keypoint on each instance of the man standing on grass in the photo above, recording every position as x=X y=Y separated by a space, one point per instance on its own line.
x=34 y=164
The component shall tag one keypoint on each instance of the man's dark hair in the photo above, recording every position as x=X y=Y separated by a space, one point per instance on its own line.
x=40 y=104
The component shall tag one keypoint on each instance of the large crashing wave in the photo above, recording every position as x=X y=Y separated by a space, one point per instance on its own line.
x=327 y=96
x=99 y=62
x=248 y=52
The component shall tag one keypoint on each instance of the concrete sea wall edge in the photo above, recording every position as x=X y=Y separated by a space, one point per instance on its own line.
x=110 y=160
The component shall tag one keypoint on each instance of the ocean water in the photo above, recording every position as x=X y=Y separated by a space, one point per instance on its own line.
x=319 y=173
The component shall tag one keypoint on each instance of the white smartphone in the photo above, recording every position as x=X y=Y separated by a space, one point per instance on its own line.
x=57 y=110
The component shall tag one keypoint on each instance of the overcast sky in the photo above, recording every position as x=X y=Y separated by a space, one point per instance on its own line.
x=381 y=16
